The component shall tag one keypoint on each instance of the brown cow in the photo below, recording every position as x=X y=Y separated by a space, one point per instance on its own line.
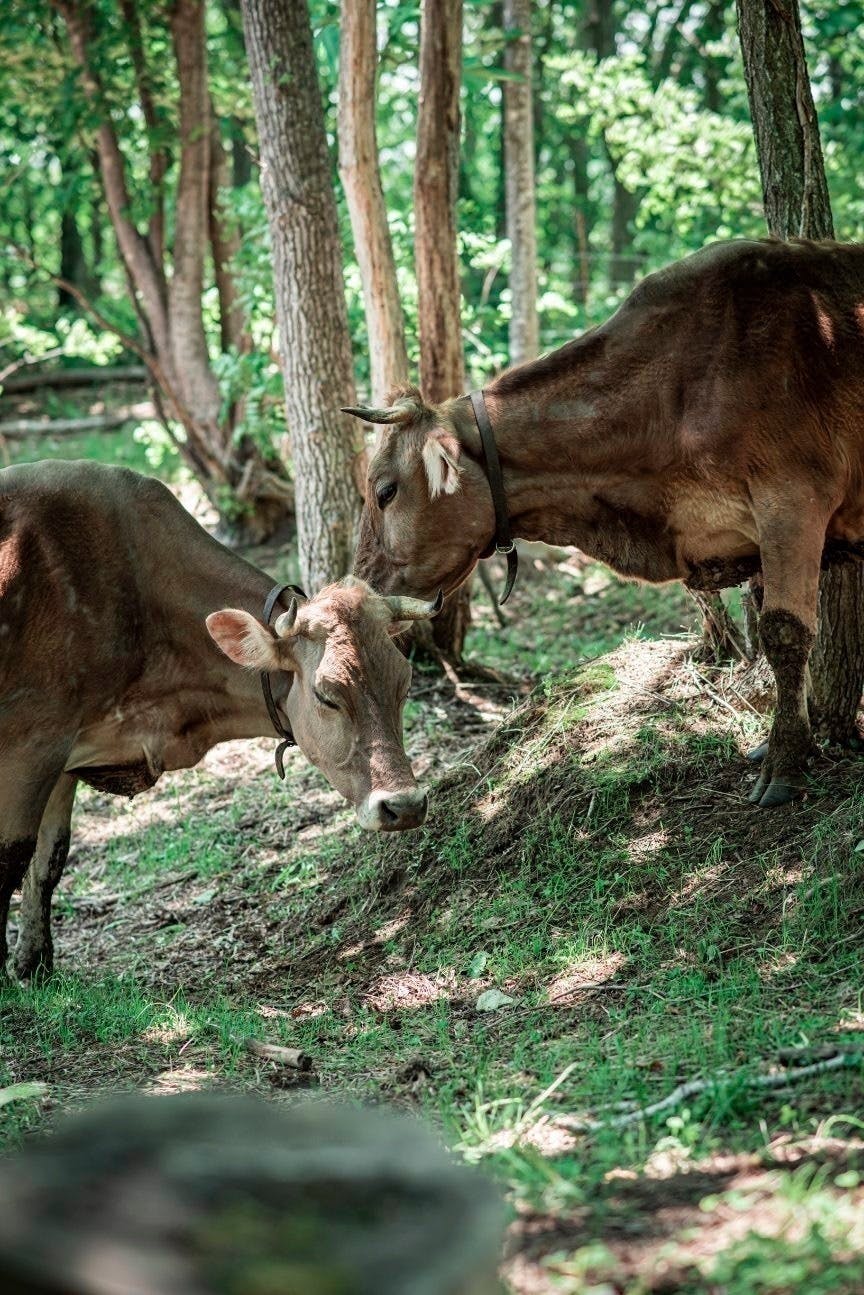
x=714 y=424
x=108 y=675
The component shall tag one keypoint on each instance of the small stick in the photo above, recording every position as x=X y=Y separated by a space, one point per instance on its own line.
x=292 y=1057
x=695 y=1086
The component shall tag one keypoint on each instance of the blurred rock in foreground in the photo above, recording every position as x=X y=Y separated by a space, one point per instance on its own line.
x=210 y=1195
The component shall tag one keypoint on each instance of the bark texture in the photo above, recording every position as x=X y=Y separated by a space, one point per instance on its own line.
x=442 y=372
x=361 y=179
x=520 y=188
x=327 y=445
x=795 y=193
x=794 y=187
x=442 y=368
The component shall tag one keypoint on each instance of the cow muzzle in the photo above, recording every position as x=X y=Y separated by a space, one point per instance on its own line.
x=393 y=811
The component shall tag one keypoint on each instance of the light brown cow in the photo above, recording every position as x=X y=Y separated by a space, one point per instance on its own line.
x=108 y=675
x=714 y=424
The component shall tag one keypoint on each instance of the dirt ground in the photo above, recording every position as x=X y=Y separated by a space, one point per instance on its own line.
x=590 y=855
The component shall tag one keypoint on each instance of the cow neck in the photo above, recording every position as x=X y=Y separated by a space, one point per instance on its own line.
x=227 y=580
x=536 y=474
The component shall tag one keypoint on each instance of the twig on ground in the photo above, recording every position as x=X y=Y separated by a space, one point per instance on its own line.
x=713 y=694
x=693 y=1087
x=292 y=1057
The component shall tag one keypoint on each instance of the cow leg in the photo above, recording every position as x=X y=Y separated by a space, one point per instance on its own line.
x=791 y=538
x=34 y=950
x=21 y=808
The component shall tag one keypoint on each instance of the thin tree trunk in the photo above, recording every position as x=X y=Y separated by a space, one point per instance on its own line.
x=442 y=371
x=146 y=274
x=625 y=204
x=519 y=169
x=713 y=64
x=241 y=157
x=73 y=264
x=327 y=445
x=795 y=193
x=175 y=348
x=195 y=377
x=155 y=127
x=225 y=244
x=358 y=167
x=598 y=34
x=794 y=187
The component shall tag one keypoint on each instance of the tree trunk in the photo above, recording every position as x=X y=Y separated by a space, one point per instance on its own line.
x=358 y=166
x=795 y=193
x=713 y=64
x=794 y=187
x=625 y=204
x=327 y=445
x=599 y=35
x=225 y=244
x=73 y=264
x=191 y=361
x=520 y=191
x=251 y=493
x=442 y=372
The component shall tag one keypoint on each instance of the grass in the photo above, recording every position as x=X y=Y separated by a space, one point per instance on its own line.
x=593 y=858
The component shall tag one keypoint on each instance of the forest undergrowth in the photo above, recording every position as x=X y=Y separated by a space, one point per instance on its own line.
x=592 y=917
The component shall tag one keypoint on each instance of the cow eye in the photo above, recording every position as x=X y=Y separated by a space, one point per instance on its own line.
x=385 y=493
x=325 y=701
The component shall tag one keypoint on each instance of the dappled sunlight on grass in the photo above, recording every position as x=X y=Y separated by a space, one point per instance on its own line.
x=181 y=1079
x=594 y=862
x=408 y=989
x=584 y=974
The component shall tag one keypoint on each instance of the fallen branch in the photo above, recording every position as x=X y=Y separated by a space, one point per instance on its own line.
x=19 y=429
x=292 y=1057
x=6 y=374
x=695 y=1086
x=92 y=376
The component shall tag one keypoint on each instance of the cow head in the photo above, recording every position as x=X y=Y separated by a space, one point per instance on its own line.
x=349 y=686
x=428 y=513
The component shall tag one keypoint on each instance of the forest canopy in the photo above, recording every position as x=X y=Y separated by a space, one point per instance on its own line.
x=644 y=152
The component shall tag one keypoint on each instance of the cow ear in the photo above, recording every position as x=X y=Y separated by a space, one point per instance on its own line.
x=245 y=640
x=441 y=461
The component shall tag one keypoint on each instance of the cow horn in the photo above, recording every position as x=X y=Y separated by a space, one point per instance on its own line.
x=285 y=623
x=369 y=415
x=415 y=609
x=401 y=412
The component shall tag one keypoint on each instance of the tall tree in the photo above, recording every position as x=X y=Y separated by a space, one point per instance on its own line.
x=436 y=178
x=600 y=36
x=439 y=303
x=520 y=187
x=327 y=446
x=361 y=179
x=247 y=486
x=795 y=193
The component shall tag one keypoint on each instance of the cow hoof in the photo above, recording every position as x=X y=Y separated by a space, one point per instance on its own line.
x=758 y=754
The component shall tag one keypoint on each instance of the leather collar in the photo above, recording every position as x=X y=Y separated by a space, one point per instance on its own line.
x=266 y=687
x=503 y=542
